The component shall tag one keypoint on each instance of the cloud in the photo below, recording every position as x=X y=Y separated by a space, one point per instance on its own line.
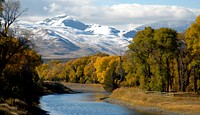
x=137 y=13
x=53 y=7
x=32 y=18
x=72 y=2
x=113 y=15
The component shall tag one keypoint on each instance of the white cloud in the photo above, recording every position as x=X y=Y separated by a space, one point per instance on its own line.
x=70 y=3
x=32 y=18
x=53 y=7
x=115 y=15
x=136 y=13
x=45 y=8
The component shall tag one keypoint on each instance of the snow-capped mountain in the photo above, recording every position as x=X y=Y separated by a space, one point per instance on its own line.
x=178 y=25
x=65 y=37
x=129 y=34
x=63 y=21
x=103 y=30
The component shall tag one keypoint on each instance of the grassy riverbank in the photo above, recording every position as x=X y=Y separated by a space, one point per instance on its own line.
x=164 y=103
x=151 y=102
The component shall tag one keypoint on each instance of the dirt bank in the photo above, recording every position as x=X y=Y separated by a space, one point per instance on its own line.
x=89 y=88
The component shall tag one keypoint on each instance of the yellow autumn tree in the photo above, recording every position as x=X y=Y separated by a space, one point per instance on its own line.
x=193 y=45
x=107 y=71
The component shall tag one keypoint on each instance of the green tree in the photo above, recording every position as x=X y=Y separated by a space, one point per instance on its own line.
x=141 y=50
x=166 y=46
x=130 y=67
x=193 y=45
x=151 y=55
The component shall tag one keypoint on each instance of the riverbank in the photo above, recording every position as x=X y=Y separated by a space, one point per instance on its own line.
x=150 y=102
x=139 y=100
x=19 y=107
x=157 y=103
x=88 y=88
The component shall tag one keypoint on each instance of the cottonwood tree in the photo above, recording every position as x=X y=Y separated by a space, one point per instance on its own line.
x=141 y=50
x=152 y=53
x=166 y=45
x=193 y=45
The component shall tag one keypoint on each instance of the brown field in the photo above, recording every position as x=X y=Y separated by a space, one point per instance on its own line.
x=180 y=103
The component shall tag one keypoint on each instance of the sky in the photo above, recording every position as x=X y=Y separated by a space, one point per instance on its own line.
x=116 y=13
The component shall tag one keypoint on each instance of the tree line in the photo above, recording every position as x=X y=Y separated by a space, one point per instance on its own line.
x=157 y=60
x=98 y=68
x=164 y=60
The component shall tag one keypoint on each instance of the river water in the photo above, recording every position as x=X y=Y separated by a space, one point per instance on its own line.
x=81 y=104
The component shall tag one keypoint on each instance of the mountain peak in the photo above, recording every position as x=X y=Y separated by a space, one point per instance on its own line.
x=64 y=36
x=64 y=21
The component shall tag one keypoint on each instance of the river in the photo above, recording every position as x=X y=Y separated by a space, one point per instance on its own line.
x=81 y=104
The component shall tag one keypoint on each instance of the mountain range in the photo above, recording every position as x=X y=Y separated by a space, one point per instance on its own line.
x=63 y=36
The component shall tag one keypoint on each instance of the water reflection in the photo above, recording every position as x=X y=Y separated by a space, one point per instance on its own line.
x=81 y=104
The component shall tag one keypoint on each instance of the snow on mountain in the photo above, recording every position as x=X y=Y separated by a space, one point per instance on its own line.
x=63 y=21
x=65 y=37
x=129 y=34
x=179 y=25
x=104 y=30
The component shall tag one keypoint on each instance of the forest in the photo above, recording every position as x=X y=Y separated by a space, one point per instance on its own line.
x=157 y=60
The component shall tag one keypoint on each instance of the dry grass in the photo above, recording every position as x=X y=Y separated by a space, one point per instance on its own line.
x=180 y=104
x=5 y=109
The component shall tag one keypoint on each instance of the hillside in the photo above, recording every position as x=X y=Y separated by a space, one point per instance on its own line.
x=66 y=37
